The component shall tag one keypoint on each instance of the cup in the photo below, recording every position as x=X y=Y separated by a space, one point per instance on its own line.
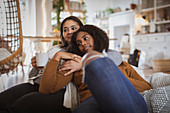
x=42 y=59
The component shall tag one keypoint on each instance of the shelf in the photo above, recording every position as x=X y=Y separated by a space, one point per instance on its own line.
x=148 y=10
x=154 y=34
x=148 y=24
x=48 y=38
x=163 y=22
x=159 y=22
x=164 y=6
x=80 y=11
x=158 y=16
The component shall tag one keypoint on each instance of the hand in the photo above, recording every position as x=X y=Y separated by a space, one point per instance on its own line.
x=72 y=66
x=34 y=63
x=65 y=55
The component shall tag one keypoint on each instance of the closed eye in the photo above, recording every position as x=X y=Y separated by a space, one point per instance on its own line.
x=79 y=43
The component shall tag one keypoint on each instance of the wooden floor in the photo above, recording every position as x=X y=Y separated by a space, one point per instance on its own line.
x=13 y=78
x=151 y=71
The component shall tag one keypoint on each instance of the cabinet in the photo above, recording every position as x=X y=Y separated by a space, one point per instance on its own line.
x=154 y=38
x=154 y=46
x=156 y=14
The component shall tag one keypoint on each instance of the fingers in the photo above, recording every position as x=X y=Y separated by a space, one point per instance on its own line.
x=71 y=71
x=71 y=66
x=33 y=61
x=76 y=58
x=67 y=66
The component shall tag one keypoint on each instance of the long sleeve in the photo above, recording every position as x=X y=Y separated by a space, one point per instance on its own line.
x=138 y=82
x=78 y=77
x=53 y=80
x=33 y=72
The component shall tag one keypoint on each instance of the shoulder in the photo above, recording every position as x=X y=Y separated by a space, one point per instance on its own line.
x=115 y=56
x=56 y=47
x=53 y=50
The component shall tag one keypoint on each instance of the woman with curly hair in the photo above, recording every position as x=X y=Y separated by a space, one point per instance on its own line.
x=89 y=38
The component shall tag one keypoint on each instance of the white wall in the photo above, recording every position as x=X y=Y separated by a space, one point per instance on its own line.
x=123 y=4
x=32 y=19
x=120 y=20
x=100 y=5
x=93 y=6
x=39 y=17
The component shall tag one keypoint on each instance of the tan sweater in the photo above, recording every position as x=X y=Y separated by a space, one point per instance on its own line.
x=53 y=80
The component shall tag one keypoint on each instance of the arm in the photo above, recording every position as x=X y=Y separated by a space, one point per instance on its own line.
x=78 y=77
x=53 y=80
x=139 y=83
x=35 y=70
x=72 y=65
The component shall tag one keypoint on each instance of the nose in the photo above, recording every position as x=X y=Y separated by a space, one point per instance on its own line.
x=83 y=43
x=70 y=31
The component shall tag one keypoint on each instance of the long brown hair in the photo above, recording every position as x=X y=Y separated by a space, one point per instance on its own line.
x=64 y=43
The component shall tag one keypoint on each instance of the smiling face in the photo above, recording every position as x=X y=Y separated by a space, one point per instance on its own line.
x=85 y=42
x=69 y=27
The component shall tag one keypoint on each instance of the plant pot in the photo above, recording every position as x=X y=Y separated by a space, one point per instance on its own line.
x=133 y=6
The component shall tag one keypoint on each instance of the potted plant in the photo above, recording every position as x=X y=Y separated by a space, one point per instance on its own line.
x=132 y=6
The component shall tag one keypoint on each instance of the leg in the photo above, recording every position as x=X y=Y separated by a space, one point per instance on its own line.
x=36 y=102
x=10 y=95
x=88 y=106
x=112 y=89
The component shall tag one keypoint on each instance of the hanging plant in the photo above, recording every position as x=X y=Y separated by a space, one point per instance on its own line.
x=59 y=6
x=84 y=11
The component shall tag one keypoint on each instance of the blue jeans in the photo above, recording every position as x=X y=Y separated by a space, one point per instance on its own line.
x=90 y=105
x=111 y=89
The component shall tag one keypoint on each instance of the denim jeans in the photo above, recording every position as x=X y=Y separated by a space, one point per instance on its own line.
x=90 y=105
x=111 y=89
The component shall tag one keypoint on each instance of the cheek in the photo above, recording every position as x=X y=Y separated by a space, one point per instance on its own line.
x=80 y=48
x=92 y=44
x=64 y=34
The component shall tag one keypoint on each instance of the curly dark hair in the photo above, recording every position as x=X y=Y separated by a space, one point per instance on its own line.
x=65 y=44
x=101 y=40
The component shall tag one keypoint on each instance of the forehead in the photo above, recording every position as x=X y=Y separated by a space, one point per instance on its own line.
x=81 y=34
x=70 y=23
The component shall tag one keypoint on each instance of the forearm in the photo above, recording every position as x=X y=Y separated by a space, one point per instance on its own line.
x=78 y=77
x=33 y=72
x=52 y=80
x=140 y=85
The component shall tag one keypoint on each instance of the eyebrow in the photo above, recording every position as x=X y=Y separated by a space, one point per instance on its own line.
x=83 y=35
x=65 y=27
x=73 y=26
x=70 y=26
